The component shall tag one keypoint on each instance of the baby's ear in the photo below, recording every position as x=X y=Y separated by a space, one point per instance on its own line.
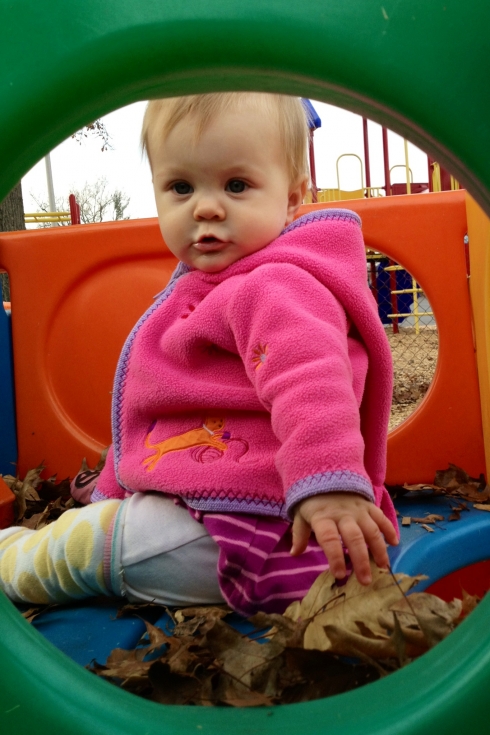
x=296 y=195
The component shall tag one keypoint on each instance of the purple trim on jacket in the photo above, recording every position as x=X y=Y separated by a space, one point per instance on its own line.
x=97 y=495
x=251 y=507
x=121 y=370
x=327 y=482
x=320 y=215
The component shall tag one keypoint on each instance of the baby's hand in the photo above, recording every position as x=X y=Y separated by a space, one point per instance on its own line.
x=348 y=519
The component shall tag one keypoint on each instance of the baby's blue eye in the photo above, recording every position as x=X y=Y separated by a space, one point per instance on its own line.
x=236 y=186
x=182 y=187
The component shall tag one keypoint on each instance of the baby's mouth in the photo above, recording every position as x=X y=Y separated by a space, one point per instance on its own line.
x=209 y=244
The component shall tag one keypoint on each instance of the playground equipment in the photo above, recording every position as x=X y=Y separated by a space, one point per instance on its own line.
x=55 y=77
x=414 y=290
x=438 y=178
x=66 y=338
x=63 y=218
x=41 y=218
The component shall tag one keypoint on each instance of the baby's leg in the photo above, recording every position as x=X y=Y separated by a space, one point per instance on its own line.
x=162 y=554
x=61 y=562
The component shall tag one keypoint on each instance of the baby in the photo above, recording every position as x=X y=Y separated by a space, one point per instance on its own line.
x=251 y=401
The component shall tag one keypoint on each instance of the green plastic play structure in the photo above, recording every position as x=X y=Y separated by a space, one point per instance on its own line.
x=419 y=67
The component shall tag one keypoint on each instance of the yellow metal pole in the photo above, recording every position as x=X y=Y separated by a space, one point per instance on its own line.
x=479 y=244
x=436 y=177
x=416 y=306
x=407 y=167
x=347 y=155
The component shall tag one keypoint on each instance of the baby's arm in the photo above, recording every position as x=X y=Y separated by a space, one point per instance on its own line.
x=344 y=519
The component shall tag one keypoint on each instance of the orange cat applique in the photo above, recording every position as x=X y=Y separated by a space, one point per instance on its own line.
x=209 y=434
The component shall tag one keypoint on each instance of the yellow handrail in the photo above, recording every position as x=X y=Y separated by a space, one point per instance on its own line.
x=345 y=155
x=41 y=217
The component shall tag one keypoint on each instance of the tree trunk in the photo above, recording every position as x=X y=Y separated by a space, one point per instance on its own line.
x=11 y=218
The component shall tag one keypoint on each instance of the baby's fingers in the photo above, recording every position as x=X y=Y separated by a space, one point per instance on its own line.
x=385 y=525
x=375 y=541
x=328 y=536
x=355 y=541
x=301 y=533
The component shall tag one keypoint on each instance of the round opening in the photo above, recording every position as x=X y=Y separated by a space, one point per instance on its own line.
x=411 y=330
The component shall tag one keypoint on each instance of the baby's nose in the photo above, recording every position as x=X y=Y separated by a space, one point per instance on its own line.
x=209 y=207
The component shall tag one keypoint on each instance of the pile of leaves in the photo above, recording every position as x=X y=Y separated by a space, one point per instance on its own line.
x=37 y=501
x=455 y=484
x=339 y=637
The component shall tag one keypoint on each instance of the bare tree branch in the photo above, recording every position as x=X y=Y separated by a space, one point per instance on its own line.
x=96 y=129
x=96 y=201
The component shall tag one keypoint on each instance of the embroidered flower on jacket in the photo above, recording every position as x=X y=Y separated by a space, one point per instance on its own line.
x=260 y=355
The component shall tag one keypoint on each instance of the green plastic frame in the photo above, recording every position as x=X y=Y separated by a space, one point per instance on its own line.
x=418 y=66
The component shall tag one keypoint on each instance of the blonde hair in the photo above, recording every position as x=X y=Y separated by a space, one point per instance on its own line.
x=162 y=116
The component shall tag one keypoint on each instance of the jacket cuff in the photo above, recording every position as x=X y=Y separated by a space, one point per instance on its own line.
x=327 y=482
x=98 y=495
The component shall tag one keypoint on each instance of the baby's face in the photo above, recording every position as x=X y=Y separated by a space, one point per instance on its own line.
x=225 y=195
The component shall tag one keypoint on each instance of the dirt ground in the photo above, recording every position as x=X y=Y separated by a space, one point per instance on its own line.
x=414 y=364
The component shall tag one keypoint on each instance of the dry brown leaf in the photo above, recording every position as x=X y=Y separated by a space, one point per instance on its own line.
x=456 y=483
x=328 y=604
x=101 y=463
x=348 y=643
x=433 y=518
x=471 y=492
x=308 y=675
x=469 y=603
x=429 y=518
x=24 y=490
x=235 y=694
x=172 y=688
x=190 y=619
x=241 y=657
x=37 y=520
x=452 y=477
x=32 y=613
x=284 y=630
x=421 y=487
x=434 y=617
x=126 y=665
x=156 y=637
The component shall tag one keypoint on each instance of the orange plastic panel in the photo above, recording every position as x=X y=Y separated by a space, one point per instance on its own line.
x=479 y=248
x=425 y=233
x=77 y=291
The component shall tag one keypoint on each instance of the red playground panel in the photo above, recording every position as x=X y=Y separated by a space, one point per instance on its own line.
x=7 y=499
x=473 y=579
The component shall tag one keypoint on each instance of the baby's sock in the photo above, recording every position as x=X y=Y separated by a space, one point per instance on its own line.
x=62 y=561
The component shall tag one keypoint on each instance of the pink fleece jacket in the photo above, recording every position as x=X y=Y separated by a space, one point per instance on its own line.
x=250 y=389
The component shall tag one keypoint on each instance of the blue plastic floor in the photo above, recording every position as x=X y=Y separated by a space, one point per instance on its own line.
x=91 y=630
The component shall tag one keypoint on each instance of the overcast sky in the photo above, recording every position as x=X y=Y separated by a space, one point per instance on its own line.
x=123 y=166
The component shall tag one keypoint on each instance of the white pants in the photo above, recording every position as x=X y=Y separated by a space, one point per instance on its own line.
x=163 y=554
